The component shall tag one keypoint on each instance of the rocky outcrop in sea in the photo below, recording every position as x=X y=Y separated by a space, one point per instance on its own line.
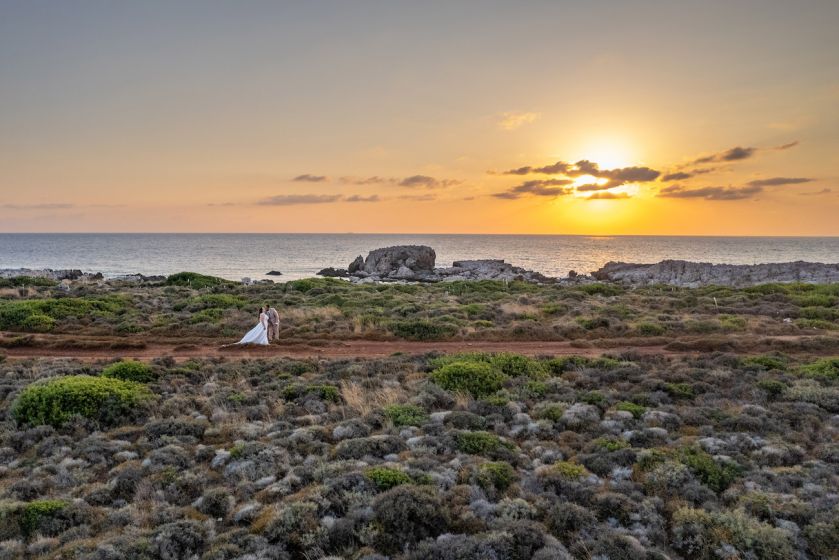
x=415 y=263
x=694 y=274
x=59 y=274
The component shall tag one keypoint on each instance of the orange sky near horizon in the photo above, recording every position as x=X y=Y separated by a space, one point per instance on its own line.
x=323 y=117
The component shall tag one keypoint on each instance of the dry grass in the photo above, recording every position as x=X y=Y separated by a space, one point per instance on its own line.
x=364 y=401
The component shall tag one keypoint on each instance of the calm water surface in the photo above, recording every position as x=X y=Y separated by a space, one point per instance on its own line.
x=235 y=256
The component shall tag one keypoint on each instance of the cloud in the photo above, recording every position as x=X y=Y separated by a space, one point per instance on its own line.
x=816 y=193
x=740 y=153
x=359 y=198
x=295 y=199
x=418 y=197
x=373 y=180
x=515 y=119
x=546 y=187
x=307 y=178
x=424 y=181
x=44 y=206
x=711 y=193
x=776 y=181
x=678 y=176
x=608 y=196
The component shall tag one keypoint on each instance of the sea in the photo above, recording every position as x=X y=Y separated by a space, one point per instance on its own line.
x=237 y=256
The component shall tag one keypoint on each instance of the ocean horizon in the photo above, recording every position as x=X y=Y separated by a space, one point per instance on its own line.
x=301 y=255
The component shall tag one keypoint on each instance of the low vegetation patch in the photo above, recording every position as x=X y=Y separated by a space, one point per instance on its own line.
x=130 y=371
x=106 y=400
x=475 y=378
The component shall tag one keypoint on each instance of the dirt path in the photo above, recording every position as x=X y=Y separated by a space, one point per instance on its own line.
x=108 y=347
x=86 y=347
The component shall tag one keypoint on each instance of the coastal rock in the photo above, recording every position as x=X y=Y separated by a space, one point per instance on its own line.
x=415 y=263
x=693 y=274
x=384 y=261
x=356 y=265
x=60 y=274
x=331 y=272
x=274 y=273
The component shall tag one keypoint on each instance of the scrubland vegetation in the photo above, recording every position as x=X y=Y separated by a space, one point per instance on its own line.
x=190 y=305
x=467 y=456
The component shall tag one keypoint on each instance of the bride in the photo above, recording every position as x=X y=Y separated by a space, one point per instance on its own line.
x=259 y=334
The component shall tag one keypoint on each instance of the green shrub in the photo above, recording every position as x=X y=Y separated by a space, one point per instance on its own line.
x=130 y=371
x=515 y=365
x=31 y=281
x=498 y=475
x=701 y=535
x=479 y=443
x=222 y=301
x=406 y=415
x=679 y=390
x=53 y=402
x=551 y=411
x=612 y=444
x=765 y=362
x=592 y=397
x=323 y=392
x=813 y=300
x=591 y=324
x=636 y=410
x=476 y=378
x=421 y=329
x=386 y=478
x=33 y=512
x=568 y=470
x=773 y=387
x=38 y=322
x=717 y=477
x=195 y=280
x=826 y=369
x=819 y=324
x=649 y=329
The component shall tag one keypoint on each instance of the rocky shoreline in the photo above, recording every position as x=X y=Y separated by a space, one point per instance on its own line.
x=688 y=274
x=416 y=263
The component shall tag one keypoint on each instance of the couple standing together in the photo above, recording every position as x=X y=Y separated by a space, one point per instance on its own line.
x=266 y=330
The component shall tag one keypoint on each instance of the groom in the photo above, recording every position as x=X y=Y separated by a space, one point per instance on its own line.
x=273 y=323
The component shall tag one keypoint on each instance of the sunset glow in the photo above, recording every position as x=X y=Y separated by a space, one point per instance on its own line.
x=298 y=118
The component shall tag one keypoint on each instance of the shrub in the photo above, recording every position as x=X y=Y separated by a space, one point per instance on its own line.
x=195 y=280
x=591 y=324
x=764 y=362
x=38 y=322
x=515 y=365
x=479 y=443
x=476 y=378
x=498 y=475
x=568 y=470
x=679 y=390
x=701 y=534
x=406 y=414
x=612 y=444
x=826 y=369
x=108 y=401
x=130 y=371
x=386 y=478
x=323 y=392
x=406 y=515
x=33 y=513
x=649 y=329
x=636 y=410
x=421 y=329
x=551 y=411
x=717 y=477
x=773 y=387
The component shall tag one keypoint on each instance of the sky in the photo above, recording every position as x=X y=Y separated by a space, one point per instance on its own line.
x=542 y=117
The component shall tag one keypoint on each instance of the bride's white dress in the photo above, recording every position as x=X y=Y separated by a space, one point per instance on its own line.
x=258 y=334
